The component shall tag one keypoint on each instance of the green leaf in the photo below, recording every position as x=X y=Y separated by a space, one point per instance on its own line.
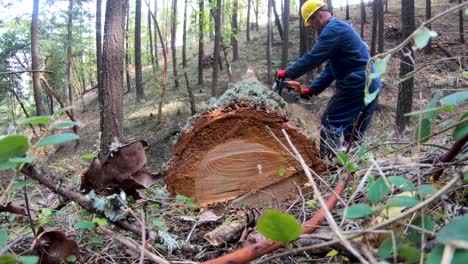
x=377 y=190
x=13 y=146
x=351 y=166
x=3 y=238
x=161 y=225
x=97 y=240
x=85 y=225
x=423 y=36
x=279 y=226
x=37 y=120
x=415 y=235
x=362 y=150
x=184 y=199
x=431 y=111
x=447 y=123
x=402 y=201
x=332 y=253
x=402 y=183
x=65 y=125
x=423 y=130
x=410 y=254
x=465 y=74
x=46 y=211
x=88 y=156
x=101 y=221
x=386 y=248
x=358 y=211
x=459 y=257
x=380 y=66
x=311 y=204
x=462 y=129
x=342 y=158
x=22 y=160
x=7 y=259
x=282 y=172
x=72 y=258
x=29 y=259
x=455 y=98
x=62 y=110
x=434 y=101
x=369 y=98
x=455 y=230
x=426 y=189
x=57 y=139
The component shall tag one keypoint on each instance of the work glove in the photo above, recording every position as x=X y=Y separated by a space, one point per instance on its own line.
x=281 y=74
x=307 y=93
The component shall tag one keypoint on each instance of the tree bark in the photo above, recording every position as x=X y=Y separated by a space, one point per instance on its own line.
x=347 y=9
x=150 y=35
x=247 y=30
x=201 y=40
x=71 y=92
x=380 y=30
x=35 y=59
x=184 y=37
x=405 y=94
x=235 y=31
x=112 y=73
x=190 y=94
x=155 y=34
x=140 y=93
x=256 y=15
x=375 y=14
x=285 y=47
x=460 y=23
x=217 y=18
x=428 y=16
x=269 y=37
x=363 y=18
x=173 y=43
x=127 y=51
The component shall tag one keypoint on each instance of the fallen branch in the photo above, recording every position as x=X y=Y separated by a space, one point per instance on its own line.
x=376 y=227
x=259 y=249
x=456 y=148
x=80 y=199
x=13 y=208
x=23 y=71
x=131 y=244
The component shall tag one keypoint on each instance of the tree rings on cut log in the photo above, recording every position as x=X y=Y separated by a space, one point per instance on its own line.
x=228 y=153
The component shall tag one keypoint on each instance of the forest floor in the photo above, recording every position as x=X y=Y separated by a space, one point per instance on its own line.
x=140 y=123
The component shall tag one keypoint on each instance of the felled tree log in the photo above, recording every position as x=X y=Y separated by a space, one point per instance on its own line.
x=228 y=152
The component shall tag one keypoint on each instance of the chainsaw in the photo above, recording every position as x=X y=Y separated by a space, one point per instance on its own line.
x=289 y=90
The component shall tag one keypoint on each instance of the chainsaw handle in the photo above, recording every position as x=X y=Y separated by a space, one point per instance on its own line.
x=296 y=85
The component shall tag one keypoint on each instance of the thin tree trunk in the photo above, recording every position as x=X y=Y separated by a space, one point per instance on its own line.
x=247 y=30
x=256 y=15
x=405 y=94
x=100 y=88
x=235 y=31
x=217 y=18
x=211 y=19
x=127 y=51
x=112 y=73
x=375 y=14
x=269 y=37
x=428 y=16
x=150 y=35
x=184 y=37
x=201 y=41
x=277 y=21
x=140 y=93
x=363 y=18
x=71 y=92
x=347 y=9
x=35 y=59
x=285 y=48
x=155 y=34
x=386 y=6
x=460 y=23
x=380 y=30
x=193 y=111
x=173 y=43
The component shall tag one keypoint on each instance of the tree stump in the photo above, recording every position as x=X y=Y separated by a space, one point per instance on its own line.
x=228 y=154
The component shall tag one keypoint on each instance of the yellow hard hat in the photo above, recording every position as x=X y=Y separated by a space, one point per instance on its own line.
x=309 y=8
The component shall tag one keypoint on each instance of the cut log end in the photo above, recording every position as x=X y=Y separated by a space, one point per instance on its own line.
x=229 y=154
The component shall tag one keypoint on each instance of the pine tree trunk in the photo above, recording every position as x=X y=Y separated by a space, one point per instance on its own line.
x=460 y=23
x=347 y=9
x=363 y=18
x=428 y=16
x=127 y=51
x=184 y=37
x=405 y=94
x=201 y=37
x=140 y=93
x=112 y=73
x=375 y=14
x=150 y=35
x=380 y=30
x=173 y=43
x=285 y=47
x=100 y=88
x=35 y=60
x=269 y=38
x=235 y=31
x=71 y=92
x=217 y=18
x=247 y=30
x=277 y=21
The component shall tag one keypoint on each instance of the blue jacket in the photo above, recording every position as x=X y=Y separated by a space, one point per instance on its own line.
x=346 y=55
